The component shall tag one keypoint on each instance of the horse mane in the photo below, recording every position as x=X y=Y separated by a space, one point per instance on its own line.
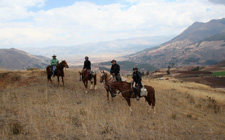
x=63 y=61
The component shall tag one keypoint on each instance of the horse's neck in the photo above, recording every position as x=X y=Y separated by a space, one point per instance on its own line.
x=122 y=86
x=109 y=78
x=59 y=66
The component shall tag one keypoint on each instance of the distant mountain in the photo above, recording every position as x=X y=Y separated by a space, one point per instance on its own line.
x=101 y=51
x=17 y=59
x=200 y=44
x=199 y=31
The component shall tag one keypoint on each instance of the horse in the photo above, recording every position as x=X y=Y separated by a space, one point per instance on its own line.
x=58 y=72
x=108 y=78
x=85 y=77
x=128 y=92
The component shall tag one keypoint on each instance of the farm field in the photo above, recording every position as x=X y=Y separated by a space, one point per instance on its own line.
x=30 y=108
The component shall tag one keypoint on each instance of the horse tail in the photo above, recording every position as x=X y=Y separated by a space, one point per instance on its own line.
x=153 y=103
x=48 y=72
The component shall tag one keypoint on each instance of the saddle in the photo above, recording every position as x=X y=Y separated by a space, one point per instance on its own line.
x=143 y=92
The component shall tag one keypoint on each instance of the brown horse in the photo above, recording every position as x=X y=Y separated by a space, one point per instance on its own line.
x=58 y=72
x=85 y=77
x=128 y=92
x=108 y=78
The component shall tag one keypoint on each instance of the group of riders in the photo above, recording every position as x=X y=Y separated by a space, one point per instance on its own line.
x=114 y=71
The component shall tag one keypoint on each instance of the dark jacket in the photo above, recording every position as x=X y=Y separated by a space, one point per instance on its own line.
x=137 y=77
x=115 y=69
x=87 y=65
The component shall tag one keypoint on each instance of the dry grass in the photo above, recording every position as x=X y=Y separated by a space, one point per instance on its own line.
x=32 y=109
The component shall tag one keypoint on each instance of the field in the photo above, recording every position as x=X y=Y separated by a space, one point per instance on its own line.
x=31 y=109
x=222 y=73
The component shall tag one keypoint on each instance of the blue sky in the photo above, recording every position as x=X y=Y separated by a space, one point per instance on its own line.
x=50 y=4
x=43 y=23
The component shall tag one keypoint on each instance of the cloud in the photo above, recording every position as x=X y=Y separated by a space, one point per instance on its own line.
x=218 y=1
x=85 y=22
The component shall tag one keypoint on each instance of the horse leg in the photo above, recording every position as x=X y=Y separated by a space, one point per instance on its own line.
x=129 y=104
x=107 y=94
x=86 y=86
x=91 y=84
x=49 y=78
x=95 y=82
x=62 y=80
x=58 y=79
x=150 y=101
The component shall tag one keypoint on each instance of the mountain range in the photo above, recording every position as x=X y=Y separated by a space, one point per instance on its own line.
x=16 y=59
x=101 y=51
x=199 y=44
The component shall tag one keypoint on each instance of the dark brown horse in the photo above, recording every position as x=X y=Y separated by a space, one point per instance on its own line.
x=58 y=72
x=107 y=78
x=85 y=77
x=128 y=92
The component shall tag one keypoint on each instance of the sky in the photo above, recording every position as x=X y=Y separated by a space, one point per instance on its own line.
x=43 y=23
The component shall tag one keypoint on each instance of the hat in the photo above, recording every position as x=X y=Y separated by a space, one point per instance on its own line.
x=135 y=68
x=54 y=55
x=113 y=61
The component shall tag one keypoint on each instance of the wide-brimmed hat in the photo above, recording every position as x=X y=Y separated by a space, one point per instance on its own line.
x=113 y=61
x=135 y=68
x=54 y=55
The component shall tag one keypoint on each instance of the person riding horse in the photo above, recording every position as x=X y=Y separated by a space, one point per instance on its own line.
x=87 y=65
x=54 y=62
x=115 y=70
x=137 y=81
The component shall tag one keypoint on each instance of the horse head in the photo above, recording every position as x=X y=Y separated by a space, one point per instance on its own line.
x=103 y=76
x=64 y=64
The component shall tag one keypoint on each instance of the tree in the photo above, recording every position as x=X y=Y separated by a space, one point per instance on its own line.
x=147 y=73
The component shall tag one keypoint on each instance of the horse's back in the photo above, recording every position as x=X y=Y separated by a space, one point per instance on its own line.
x=149 y=88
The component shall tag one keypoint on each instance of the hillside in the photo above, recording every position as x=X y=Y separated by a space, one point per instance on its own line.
x=33 y=109
x=200 y=44
x=17 y=59
x=125 y=66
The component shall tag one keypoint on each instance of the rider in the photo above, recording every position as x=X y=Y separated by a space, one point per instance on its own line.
x=115 y=70
x=87 y=65
x=137 y=79
x=54 y=62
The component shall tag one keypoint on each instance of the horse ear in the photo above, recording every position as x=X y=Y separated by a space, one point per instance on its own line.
x=103 y=71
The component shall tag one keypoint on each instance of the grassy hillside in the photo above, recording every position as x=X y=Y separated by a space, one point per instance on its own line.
x=128 y=66
x=220 y=36
x=32 y=109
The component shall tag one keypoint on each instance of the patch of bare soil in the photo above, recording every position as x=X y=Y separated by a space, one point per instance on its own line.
x=194 y=72
x=216 y=82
